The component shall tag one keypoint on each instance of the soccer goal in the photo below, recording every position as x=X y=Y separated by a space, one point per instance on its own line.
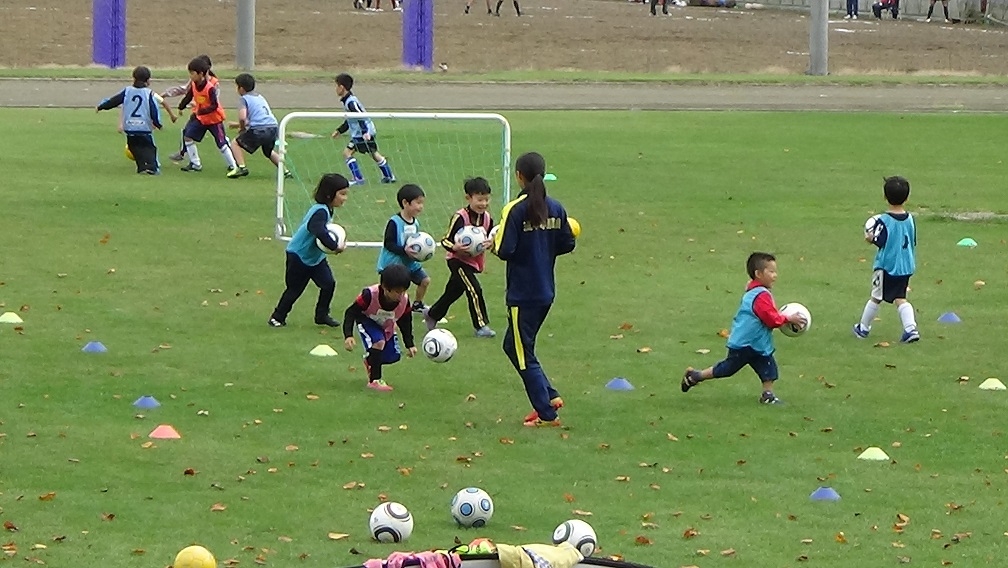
x=436 y=151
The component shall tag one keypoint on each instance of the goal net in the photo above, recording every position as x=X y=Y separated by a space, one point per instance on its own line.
x=436 y=151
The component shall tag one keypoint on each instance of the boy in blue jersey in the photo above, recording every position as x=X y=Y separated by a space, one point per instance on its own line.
x=751 y=339
x=895 y=235
x=401 y=227
x=534 y=231
x=306 y=261
x=362 y=134
x=140 y=116
x=256 y=124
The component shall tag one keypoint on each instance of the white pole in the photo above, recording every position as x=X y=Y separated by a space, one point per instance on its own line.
x=245 y=42
x=819 y=37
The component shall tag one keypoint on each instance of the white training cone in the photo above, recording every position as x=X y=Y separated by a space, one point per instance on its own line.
x=874 y=454
x=992 y=384
x=323 y=351
x=10 y=317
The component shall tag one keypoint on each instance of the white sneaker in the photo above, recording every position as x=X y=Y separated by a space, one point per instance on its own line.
x=927 y=20
x=855 y=17
x=847 y=17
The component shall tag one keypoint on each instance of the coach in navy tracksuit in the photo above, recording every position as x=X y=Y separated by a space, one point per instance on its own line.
x=533 y=232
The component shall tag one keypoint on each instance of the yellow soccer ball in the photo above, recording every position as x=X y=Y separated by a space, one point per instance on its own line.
x=575 y=226
x=194 y=557
x=129 y=155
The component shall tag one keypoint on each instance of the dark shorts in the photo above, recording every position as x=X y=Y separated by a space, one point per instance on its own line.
x=363 y=146
x=253 y=139
x=888 y=288
x=371 y=333
x=764 y=365
x=195 y=130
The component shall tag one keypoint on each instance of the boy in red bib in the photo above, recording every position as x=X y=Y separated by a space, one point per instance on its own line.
x=377 y=311
x=463 y=266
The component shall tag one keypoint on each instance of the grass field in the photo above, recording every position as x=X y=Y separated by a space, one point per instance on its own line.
x=174 y=275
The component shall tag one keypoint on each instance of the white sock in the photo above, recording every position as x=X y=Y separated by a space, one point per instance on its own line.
x=906 y=314
x=228 y=157
x=190 y=148
x=868 y=315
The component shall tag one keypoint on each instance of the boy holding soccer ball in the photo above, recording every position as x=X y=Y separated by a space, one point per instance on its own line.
x=464 y=266
x=751 y=339
x=895 y=235
x=306 y=261
x=401 y=227
x=377 y=311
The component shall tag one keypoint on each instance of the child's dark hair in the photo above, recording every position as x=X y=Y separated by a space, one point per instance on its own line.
x=246 y=82
x=477 y=186
x=395 y=277
x=532 y=167
x=345 y=81
x=328 y=186
x=199 y=65
x=209 y=64
x=408 y=193
x=897 y=190
x=141 y=76
x=758 y=261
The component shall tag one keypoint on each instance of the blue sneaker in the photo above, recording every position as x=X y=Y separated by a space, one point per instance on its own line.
x=859 y=331
x=388 y=179
x=911 y=336
x=354 y=182
x=486 y=332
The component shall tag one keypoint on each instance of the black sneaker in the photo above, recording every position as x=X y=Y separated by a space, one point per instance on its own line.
x=769 y=398
x=691 y=378
x=273 y=322
x=419 y=307
x=190 y=167
x=327 y=321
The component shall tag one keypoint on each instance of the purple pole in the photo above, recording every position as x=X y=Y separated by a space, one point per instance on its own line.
x=418 y=34
x=108 y=32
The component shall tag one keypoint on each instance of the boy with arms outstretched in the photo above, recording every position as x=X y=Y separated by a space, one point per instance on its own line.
x=139 y=117
x=463 y=266
x=895 y=235
x=377 y=311
x=401 y=227
x=362 y=134
x=751 y=339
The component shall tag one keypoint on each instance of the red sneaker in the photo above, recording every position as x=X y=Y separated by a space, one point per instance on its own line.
x=537 y=423
x=556 y=403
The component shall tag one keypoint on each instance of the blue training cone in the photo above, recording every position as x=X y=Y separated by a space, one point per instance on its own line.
x=94 y=347
x=824 y=494
x=619 y=384
x=146 y=402
x=949 y=317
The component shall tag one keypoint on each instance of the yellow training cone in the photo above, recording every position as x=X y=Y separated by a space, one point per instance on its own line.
x=874 y=454
x=323 y=351
x=992 y=384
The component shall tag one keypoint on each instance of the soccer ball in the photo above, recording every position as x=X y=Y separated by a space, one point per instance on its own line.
x=790 y=329
x=439 y=345
x=129 y=154
x=338 y=234
x=391 y=522
x=492 y=235
x=472 y=238
x=577 y=532
x=194 y=557
x=421 y=246
x=472 y=507
x=872 y=226
x=575 y=226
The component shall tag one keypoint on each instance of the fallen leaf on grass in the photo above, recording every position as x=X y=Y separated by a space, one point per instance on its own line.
x=617 y=336
x=518 y=528
x=642 y=540
x=840 y=538
x=626 y=326
x=882 y=344
x=367 y=455
x=312 y=396
x=337 y=536
x=648 y=525
x=622 y=478
x=47 y=496
x=138 y=552
x=806 y=541
x=218 y=507
x=189 y=471
x=353 y=485
x=728 y=552
x=898 y=544
x=644 y=349
x=384 y=428
x=108 y=516
x=568 y=498
x=9 y=526
x=703 y=351
x=580 y=513
x=723 y=334
x=291 y=448
x=506 y=441
x=703 y=551
x=690 y=533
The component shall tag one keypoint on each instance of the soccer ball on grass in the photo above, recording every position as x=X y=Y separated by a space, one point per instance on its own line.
x=391 y=522
x=439 y=345
x=579 y=534
x=472 y=507
x=194 y=557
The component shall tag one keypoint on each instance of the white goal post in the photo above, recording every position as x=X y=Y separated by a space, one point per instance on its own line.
x=436 y=150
